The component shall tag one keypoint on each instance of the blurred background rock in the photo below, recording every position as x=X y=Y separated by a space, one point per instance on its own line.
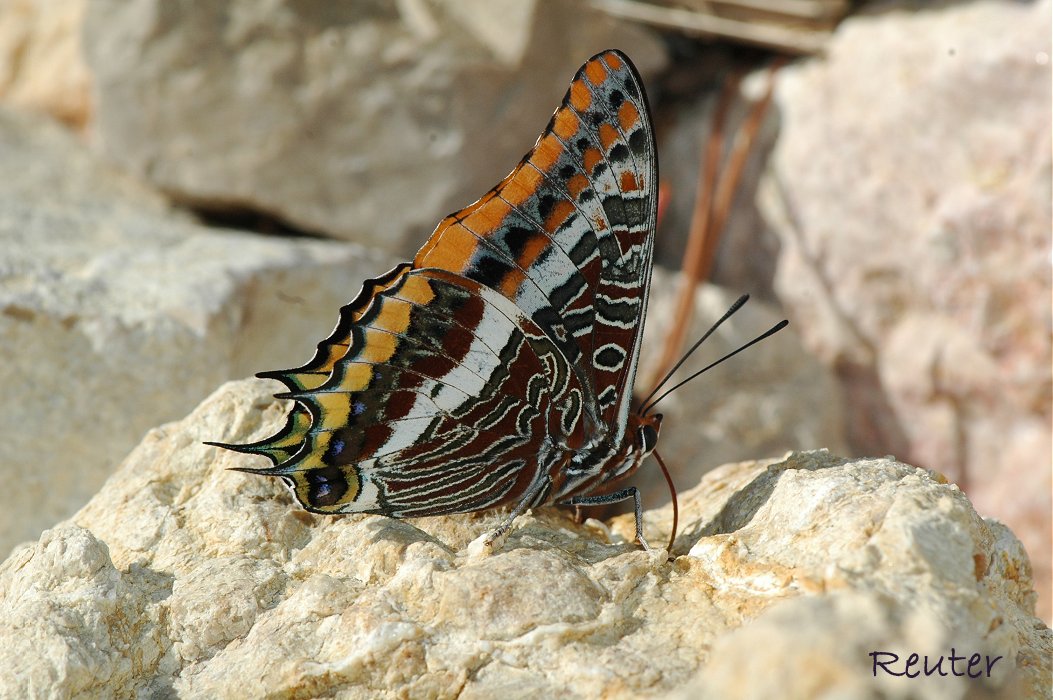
x=189 y=191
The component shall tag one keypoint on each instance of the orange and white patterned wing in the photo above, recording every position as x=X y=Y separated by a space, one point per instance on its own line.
x=569 y=233
x=503 y=357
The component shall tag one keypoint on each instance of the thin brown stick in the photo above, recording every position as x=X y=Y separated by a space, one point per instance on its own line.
x=698 y=233
x=713 y=201
x=731 y=176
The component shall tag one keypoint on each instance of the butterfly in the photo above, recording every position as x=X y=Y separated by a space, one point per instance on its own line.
x=497 y=367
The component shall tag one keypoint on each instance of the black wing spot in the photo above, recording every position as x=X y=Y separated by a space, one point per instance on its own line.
x=638 y=143
x=635 y=210
x=515 y=240
x=546 y=204
x=610 y=357
x=325 y=486
x=619 y=153
x=489 y=270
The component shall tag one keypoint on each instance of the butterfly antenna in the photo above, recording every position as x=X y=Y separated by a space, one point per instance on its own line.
x=727 y=314
x=672 y=493
x=771 y=331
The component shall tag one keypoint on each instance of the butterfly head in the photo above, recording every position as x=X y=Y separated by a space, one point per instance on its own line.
x=640 y=439
x=645 y=438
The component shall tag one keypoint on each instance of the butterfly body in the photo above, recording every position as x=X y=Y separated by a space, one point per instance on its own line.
x=497 y=367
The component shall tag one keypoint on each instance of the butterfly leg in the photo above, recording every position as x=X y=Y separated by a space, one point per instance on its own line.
x=631 y=492
x=525 y=502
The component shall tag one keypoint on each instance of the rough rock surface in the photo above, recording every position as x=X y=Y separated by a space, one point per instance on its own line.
x=181 y=577
x=368 y=121
x=910 y=190
x=117 y=314
x=41 y=66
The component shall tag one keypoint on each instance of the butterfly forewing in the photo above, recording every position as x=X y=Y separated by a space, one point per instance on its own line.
x=609 y=95
x=568 y=234
x=466 y=379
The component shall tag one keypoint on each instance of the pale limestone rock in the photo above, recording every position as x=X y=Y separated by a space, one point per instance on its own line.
x=910 y=190
x=117 y=314
x=832 y=637
x=368 y=121
x=41 y=66
x=43 y=167
x=69 y=620
x=183 y=578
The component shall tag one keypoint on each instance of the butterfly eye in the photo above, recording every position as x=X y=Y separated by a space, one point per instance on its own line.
x=646 y=438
